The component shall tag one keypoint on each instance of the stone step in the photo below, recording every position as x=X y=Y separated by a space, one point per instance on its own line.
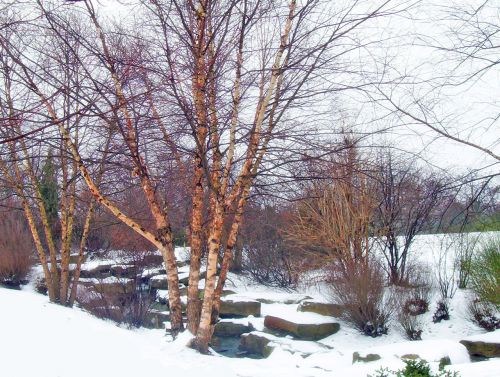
x=235 y=309
x=306 y=331
x=232 y=329
x=332 y=310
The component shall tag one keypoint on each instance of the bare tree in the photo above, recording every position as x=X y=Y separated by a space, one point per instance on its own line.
x=465 y=62
x=407 y=199
x=21 y=155
x=218 y=87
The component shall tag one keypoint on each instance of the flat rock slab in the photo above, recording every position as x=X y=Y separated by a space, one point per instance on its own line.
x=158 y=282
x=232 y=329
x=306 y=331
x=236 y=309
x=73 y=258
x=100 y=271
x=482 y=348
x=184 y=277
x=289 y=299
x=332 y=310
x=153 y=259
x=115 y=287
x=124 y=271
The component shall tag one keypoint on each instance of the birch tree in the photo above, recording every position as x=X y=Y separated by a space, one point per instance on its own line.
x=216 y=84
x=18 y=164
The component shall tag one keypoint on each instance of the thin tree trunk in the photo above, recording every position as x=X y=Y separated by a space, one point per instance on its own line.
x=81 y=255
x=88 y=219
x=208 y=317
x=196 y=225
x=219 y=202
x=18 y=186
x=193 y=299
x=66 y=241
x=163 y=227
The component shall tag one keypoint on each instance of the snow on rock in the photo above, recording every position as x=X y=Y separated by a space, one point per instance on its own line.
x=310 y=331
x=489 y=337
x=429 y=350
x=110 y=285
x=108 y=280
x=265 y=344
x=159 y=282
x=151 y=272
x=97 y=263
x=333 y=310
x=229 y=328
x=290 y=313
x=484 y=345
x=239 y=308
x=273 y=297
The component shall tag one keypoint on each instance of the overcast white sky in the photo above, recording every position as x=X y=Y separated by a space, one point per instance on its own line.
x=463 y=108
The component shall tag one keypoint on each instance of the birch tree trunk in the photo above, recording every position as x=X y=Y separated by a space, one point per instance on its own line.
x=219 y=201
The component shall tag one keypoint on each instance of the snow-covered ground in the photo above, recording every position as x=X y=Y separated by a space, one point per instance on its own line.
x=45 y=340
x=39 y=339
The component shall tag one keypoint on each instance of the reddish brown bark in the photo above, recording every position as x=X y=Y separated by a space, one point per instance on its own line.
x=219 y=202
x=201 y=131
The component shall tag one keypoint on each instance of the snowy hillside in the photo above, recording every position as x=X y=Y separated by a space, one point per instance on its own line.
x=33 y=331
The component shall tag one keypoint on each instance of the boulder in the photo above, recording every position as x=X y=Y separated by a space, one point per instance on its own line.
x=155 y=319
x=266 y=301
x=235 y=309
x=306 y=331
x=99 y=272
x=256 y=343
x=482 y=348
x=292 y=301
x=152 y=259
x=73 y=258
x=124 y=271
x=184 y=277
x=228 y=346
x=445 y=361
x=158 y=282
x=231 y=329
x=332 y=310
x=149 y=273
x=114 y=287
x=357 y=358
